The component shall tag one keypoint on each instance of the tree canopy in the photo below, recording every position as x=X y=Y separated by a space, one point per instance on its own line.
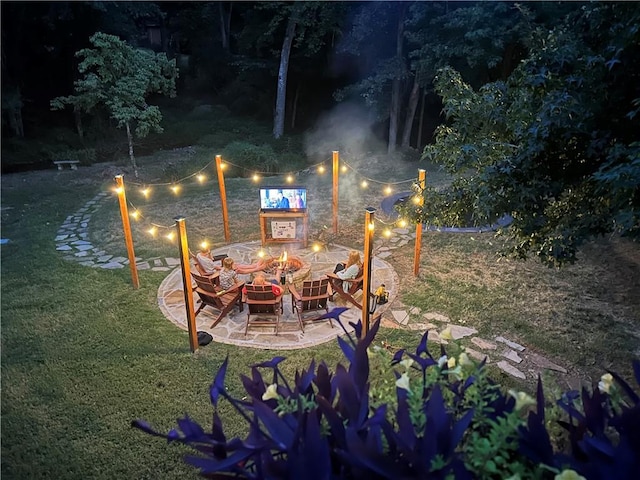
x=121 y=78
x=555 y=145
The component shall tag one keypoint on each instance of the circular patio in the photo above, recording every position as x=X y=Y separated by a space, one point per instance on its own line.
x=231 y=329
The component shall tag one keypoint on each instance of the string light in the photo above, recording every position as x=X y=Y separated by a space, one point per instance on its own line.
x=176 y=187
x=402 y=223
x=372 y=226
x=204 y=245
x=170 y=236
x=261 y=254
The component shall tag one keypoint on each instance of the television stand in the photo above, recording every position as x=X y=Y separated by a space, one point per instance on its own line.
x=267 y=236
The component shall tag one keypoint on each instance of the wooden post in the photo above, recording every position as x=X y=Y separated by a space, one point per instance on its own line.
x=336 y=173
x=186 y=283
x=223 y=198
x=418 y=245
x=366 y=279
x=126 y=226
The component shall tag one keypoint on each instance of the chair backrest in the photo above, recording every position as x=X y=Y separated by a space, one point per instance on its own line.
x=315 y=294
x=261 y=299
x=208 y=284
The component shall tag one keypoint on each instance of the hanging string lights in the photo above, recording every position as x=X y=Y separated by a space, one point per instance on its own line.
x=199 y=179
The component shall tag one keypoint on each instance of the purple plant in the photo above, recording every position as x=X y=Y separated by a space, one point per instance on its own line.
x=322 y=425
x=604 y=434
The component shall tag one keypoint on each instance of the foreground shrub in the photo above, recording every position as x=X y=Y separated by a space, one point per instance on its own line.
x=446 y=420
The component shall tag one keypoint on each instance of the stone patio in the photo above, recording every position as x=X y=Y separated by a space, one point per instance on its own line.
x=230 y=330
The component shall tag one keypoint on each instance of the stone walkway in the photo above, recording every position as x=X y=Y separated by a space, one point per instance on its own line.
x=72 y=240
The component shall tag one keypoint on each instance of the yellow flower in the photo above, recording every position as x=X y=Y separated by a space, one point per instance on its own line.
x=451 y=363
x=406 y=363
x=605 y=383
x=523 y=400
x=569 y=475
x=464 y=360
x=271 y=392
x=403 y=382
x=446 y=334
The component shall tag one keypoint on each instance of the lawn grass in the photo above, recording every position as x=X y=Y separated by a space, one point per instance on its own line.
x=83 y=354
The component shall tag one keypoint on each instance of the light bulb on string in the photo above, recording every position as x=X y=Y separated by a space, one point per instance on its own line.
x=152 y=231
x=175 y=189
x=321 y=169
x=289 y=178
x=204 y=245
x=170 y=236
x=261 y=254
x=118 y=190
x=255 y=177
x=388 y=190
x=344 y=169
x=364 y=184
x=145 y=192
x=135 y=214
x=201 y=178
x=402 y=223
x=387 y=233
x=316 y=247
x=416 y=200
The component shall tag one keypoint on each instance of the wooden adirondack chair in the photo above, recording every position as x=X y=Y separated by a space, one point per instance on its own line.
x=264 y=305
x=210 y=293
x=313 y=297
x=355 y=285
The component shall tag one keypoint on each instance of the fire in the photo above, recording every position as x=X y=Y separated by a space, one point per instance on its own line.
x=282 y=260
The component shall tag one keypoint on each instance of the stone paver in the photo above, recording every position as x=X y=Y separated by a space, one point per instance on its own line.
x=513 y=356
x=511 y=344
x=458 y=331
x=511 y=370
x=484 y=344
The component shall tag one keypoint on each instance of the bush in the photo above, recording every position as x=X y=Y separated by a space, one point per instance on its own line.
x=446 y=419
x=250 y=157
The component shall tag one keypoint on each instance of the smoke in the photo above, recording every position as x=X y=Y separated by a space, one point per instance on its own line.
x=346 y=128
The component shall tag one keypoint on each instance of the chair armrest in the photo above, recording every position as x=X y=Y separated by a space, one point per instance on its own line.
x=333 y=276
x=294 y=293
x=236 y=287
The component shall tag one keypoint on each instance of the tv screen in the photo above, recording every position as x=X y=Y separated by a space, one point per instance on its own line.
x=283 y=198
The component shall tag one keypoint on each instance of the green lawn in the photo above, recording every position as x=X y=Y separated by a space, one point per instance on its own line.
x=83 y=354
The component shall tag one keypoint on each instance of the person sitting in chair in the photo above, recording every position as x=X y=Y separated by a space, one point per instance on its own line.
x=206 y=260
x=346 y=271
x=261 y=279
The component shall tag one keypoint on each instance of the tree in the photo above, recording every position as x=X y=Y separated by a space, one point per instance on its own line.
x=555 y=145
x=121 y=78
x=307 y=25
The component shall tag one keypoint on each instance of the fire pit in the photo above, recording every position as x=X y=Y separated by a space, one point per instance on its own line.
x=292 y=269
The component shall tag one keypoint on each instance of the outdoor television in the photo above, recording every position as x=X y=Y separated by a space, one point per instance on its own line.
x=284 y=199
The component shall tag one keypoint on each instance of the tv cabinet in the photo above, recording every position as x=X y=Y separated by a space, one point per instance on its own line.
x=266 y=217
